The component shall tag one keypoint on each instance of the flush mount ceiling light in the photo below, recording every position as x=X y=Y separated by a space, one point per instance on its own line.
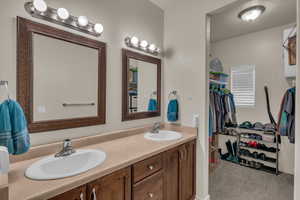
x=251 y=13
x=143 y=45
x=39 y=9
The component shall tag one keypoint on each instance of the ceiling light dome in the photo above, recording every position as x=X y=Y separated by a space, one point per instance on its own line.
x=251 y=13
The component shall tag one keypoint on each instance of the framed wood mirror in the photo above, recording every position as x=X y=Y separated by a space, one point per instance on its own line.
x=61 y=78
x=141 y=86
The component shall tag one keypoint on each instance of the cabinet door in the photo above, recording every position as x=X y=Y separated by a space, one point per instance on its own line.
x=75 y=194
x=116 y=186
x=187 y=165
x=171 y=175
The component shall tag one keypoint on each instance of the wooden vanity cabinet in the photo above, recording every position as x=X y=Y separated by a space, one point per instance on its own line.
x=75 y=194
x=180 y=172
x=116 y=186
x=187 y=171
x=167 y=176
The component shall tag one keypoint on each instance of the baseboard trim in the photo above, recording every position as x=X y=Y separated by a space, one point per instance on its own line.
x=207 y=197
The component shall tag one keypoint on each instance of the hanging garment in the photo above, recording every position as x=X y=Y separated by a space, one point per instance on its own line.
x=286 y=123
x=222 y=110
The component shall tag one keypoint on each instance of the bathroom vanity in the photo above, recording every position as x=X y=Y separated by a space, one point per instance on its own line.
x=136 y=168
x=169 y=175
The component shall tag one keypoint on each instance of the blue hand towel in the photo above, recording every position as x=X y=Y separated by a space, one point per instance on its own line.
x=19 y=129
x=173 y=110
x=5 y=128
x=152 y=106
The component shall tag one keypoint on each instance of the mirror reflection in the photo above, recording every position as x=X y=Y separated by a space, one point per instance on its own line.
x=142 y=86
x=72 y=90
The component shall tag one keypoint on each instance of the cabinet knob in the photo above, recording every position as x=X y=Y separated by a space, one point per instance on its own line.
x=151 y=167
x=151 y=195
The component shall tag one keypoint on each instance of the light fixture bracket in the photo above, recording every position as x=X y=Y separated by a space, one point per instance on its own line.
x=51 y=15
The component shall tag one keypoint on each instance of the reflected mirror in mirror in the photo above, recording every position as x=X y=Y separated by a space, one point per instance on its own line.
x=65 y=79
x=142 y=86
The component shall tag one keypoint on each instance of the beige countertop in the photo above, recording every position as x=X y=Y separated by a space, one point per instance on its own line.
x=121 y=153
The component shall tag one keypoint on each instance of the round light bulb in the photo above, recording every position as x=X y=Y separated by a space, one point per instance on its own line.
x=144 y=43
x=158 y=50
x=63 y=13
x=83 y=21
x=40 y=5
x=152 y=47
x=134 y=41
x=98 y=28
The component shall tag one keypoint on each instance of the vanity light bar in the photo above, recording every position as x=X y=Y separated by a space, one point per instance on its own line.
x=61 y=16
x=134 y=42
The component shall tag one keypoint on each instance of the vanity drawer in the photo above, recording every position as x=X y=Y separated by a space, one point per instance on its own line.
x=150 y=188
x=146 y=167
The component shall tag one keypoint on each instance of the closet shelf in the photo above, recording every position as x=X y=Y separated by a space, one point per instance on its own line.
x=258 y=149
x=218 y=82
x=264 y=168
x=268 y=159
x=227 y=135
x=258 y=140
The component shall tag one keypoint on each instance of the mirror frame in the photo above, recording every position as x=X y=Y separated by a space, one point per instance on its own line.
x=126 y=55
x=25 y=30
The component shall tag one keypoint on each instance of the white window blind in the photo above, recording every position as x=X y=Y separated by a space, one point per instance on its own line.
x=243 y=85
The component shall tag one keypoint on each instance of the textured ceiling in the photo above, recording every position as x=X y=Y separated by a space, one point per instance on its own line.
x=226 y=24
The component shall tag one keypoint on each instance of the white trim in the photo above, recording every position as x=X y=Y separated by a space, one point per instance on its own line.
x=207 y=197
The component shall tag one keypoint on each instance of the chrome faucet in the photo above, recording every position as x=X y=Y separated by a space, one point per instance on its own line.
x=155 y=128
x=67 y=149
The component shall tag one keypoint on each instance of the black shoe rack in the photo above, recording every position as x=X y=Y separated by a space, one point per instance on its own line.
x=248 y=154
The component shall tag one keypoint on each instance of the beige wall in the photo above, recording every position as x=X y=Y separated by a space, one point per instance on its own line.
x=186 y=69
x=120 y=18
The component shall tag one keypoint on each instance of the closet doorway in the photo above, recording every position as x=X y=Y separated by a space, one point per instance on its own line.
x=252 y=75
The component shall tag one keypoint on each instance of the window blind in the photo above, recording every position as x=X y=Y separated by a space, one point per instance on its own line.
x=243 y=85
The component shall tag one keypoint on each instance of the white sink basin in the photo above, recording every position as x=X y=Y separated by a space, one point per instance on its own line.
x=163 y=135
x=60 y=167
